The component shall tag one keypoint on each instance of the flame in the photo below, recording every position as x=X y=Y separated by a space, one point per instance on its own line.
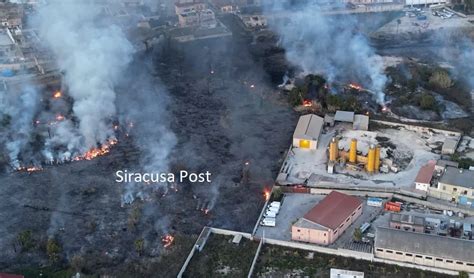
x=57 y=94
x=266 y=194
x=307 y=103
x=59 y=117
x=385 y=109
x=95 y=152
x=355 y=86
x=205 y=211
x=252 y=86
x=30 y=169
x=167 y=240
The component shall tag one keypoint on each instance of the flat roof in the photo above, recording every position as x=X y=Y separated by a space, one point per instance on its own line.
x=426 y=173
x=361 y=122
x=408 y=219
x=333 y=210
x=309 y=127
x=445 y=163
x=344 y=116
x=458 y=177
x=450 y=143
x=426 y=244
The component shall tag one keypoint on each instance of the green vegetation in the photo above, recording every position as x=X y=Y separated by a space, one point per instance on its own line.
x=26 y=241
x=357 y=236
x=53 y=250
x=463 y=274
x=464 y=162
x=296 y=96
x=441 y=79
x=139 y=246
x=277 y=261
x=220 y=257
x=428 y=102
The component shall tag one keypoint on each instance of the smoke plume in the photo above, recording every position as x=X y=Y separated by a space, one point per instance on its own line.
x=92 y=55
x=328 y=45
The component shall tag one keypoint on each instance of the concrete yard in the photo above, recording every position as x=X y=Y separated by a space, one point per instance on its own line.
x=295 y=205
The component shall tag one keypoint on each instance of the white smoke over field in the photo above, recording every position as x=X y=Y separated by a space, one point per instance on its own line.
x=92 y=55
x=328 y=45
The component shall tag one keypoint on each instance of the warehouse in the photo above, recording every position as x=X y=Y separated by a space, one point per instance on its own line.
x=326 y=221
x=407 y=222
x=424 y=249
x=455 y=185
x=307 y=132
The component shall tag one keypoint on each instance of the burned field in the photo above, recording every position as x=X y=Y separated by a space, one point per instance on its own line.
x=227 y=119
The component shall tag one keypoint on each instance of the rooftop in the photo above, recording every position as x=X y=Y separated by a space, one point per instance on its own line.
x=361 y=122
x=420 y=243
x=426 y=173
x=344 y=116
x=445 y=163
x=458 y=177
x=406 y=218
x=333 y=210
x=309 y=127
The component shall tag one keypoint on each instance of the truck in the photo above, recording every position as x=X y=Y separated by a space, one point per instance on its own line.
x=274 y=209
x=275 y=204
x=268 y=221
x=270 y=214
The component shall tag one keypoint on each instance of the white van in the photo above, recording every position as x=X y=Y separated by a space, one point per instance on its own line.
x=270 y=214
x=268 y=221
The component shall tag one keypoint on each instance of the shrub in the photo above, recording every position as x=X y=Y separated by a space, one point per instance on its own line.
x=441 y=79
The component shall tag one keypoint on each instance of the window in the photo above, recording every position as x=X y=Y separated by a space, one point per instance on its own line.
x=388 y=251
x=359 y=208
x=449 y=261
x=380 y=250
x=428 y=258
x=444 y=187
x=353 y=213
x=298 y=230
x=418 y=256
x=408 y=255
x=465 y=192
x=324 y=234
x=399 y=253
x=455 y=189
x=468 y=264
x=459 y=263
x=439 y=260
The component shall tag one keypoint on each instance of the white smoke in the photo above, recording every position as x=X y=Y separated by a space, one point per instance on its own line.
x=328 y=45
x=93 y=55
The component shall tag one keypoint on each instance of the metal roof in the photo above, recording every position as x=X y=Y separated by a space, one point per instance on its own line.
x=458 y=177
x=426 y=173
x=425 y=244
x=309 y=127
x=361 y=122
x=333 y=210
x=407 y=219
x=344 y=116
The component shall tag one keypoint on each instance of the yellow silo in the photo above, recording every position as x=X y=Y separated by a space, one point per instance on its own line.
x=371 y=159
x=333 y=149
x=353 y=151
x=377 y=158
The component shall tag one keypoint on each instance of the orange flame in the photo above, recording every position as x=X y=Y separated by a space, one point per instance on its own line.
x=59 y=117
x=307 y=103
x=95 y=152
x=57 y=94
x=167 y=240
x=355 y=86
x=266 y=194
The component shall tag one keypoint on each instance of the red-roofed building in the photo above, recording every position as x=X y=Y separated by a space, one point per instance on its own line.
x=326 y=221
x=423 y=179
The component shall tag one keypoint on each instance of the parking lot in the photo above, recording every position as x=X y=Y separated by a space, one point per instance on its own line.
x=295 y=206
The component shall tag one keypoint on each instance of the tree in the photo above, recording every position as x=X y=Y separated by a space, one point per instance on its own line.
x=52 y=250
x=26 y=241
x=441 y=79
x=427 y=102
x=357 y=235
x=463 y=274
x=139 y=246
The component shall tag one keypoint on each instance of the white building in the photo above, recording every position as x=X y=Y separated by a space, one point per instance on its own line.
x=307 y=132
x=425 y=175
x=343 y=273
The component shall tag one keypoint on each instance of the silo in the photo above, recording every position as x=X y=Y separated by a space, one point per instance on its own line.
x=371 y=159
x=333 y=149
x=353 y=151
x=377 y=158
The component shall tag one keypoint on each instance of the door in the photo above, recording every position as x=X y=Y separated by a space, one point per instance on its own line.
x=304 y=144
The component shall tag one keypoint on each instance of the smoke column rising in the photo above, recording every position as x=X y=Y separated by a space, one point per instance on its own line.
x=330 y=45
x=93 y=56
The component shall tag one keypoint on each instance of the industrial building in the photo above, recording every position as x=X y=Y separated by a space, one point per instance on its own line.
x=359 y=121
x=326 y=221
x=407 y=222
x=450 y=145
x=425 y=175
x=307 y=132
x=424 y=249
x=353 y=159
x=455 y=185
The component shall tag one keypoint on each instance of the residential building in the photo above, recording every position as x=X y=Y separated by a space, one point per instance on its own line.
x=425 y=175
x=326 y=221
x=424 y=249
x=455 y=185
x=407 y=222
x=307 y=132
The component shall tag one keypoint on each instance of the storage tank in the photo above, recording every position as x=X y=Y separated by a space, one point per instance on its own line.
x=377 y=158
x=353 y=151
x=333 y=149
x=370 y=166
